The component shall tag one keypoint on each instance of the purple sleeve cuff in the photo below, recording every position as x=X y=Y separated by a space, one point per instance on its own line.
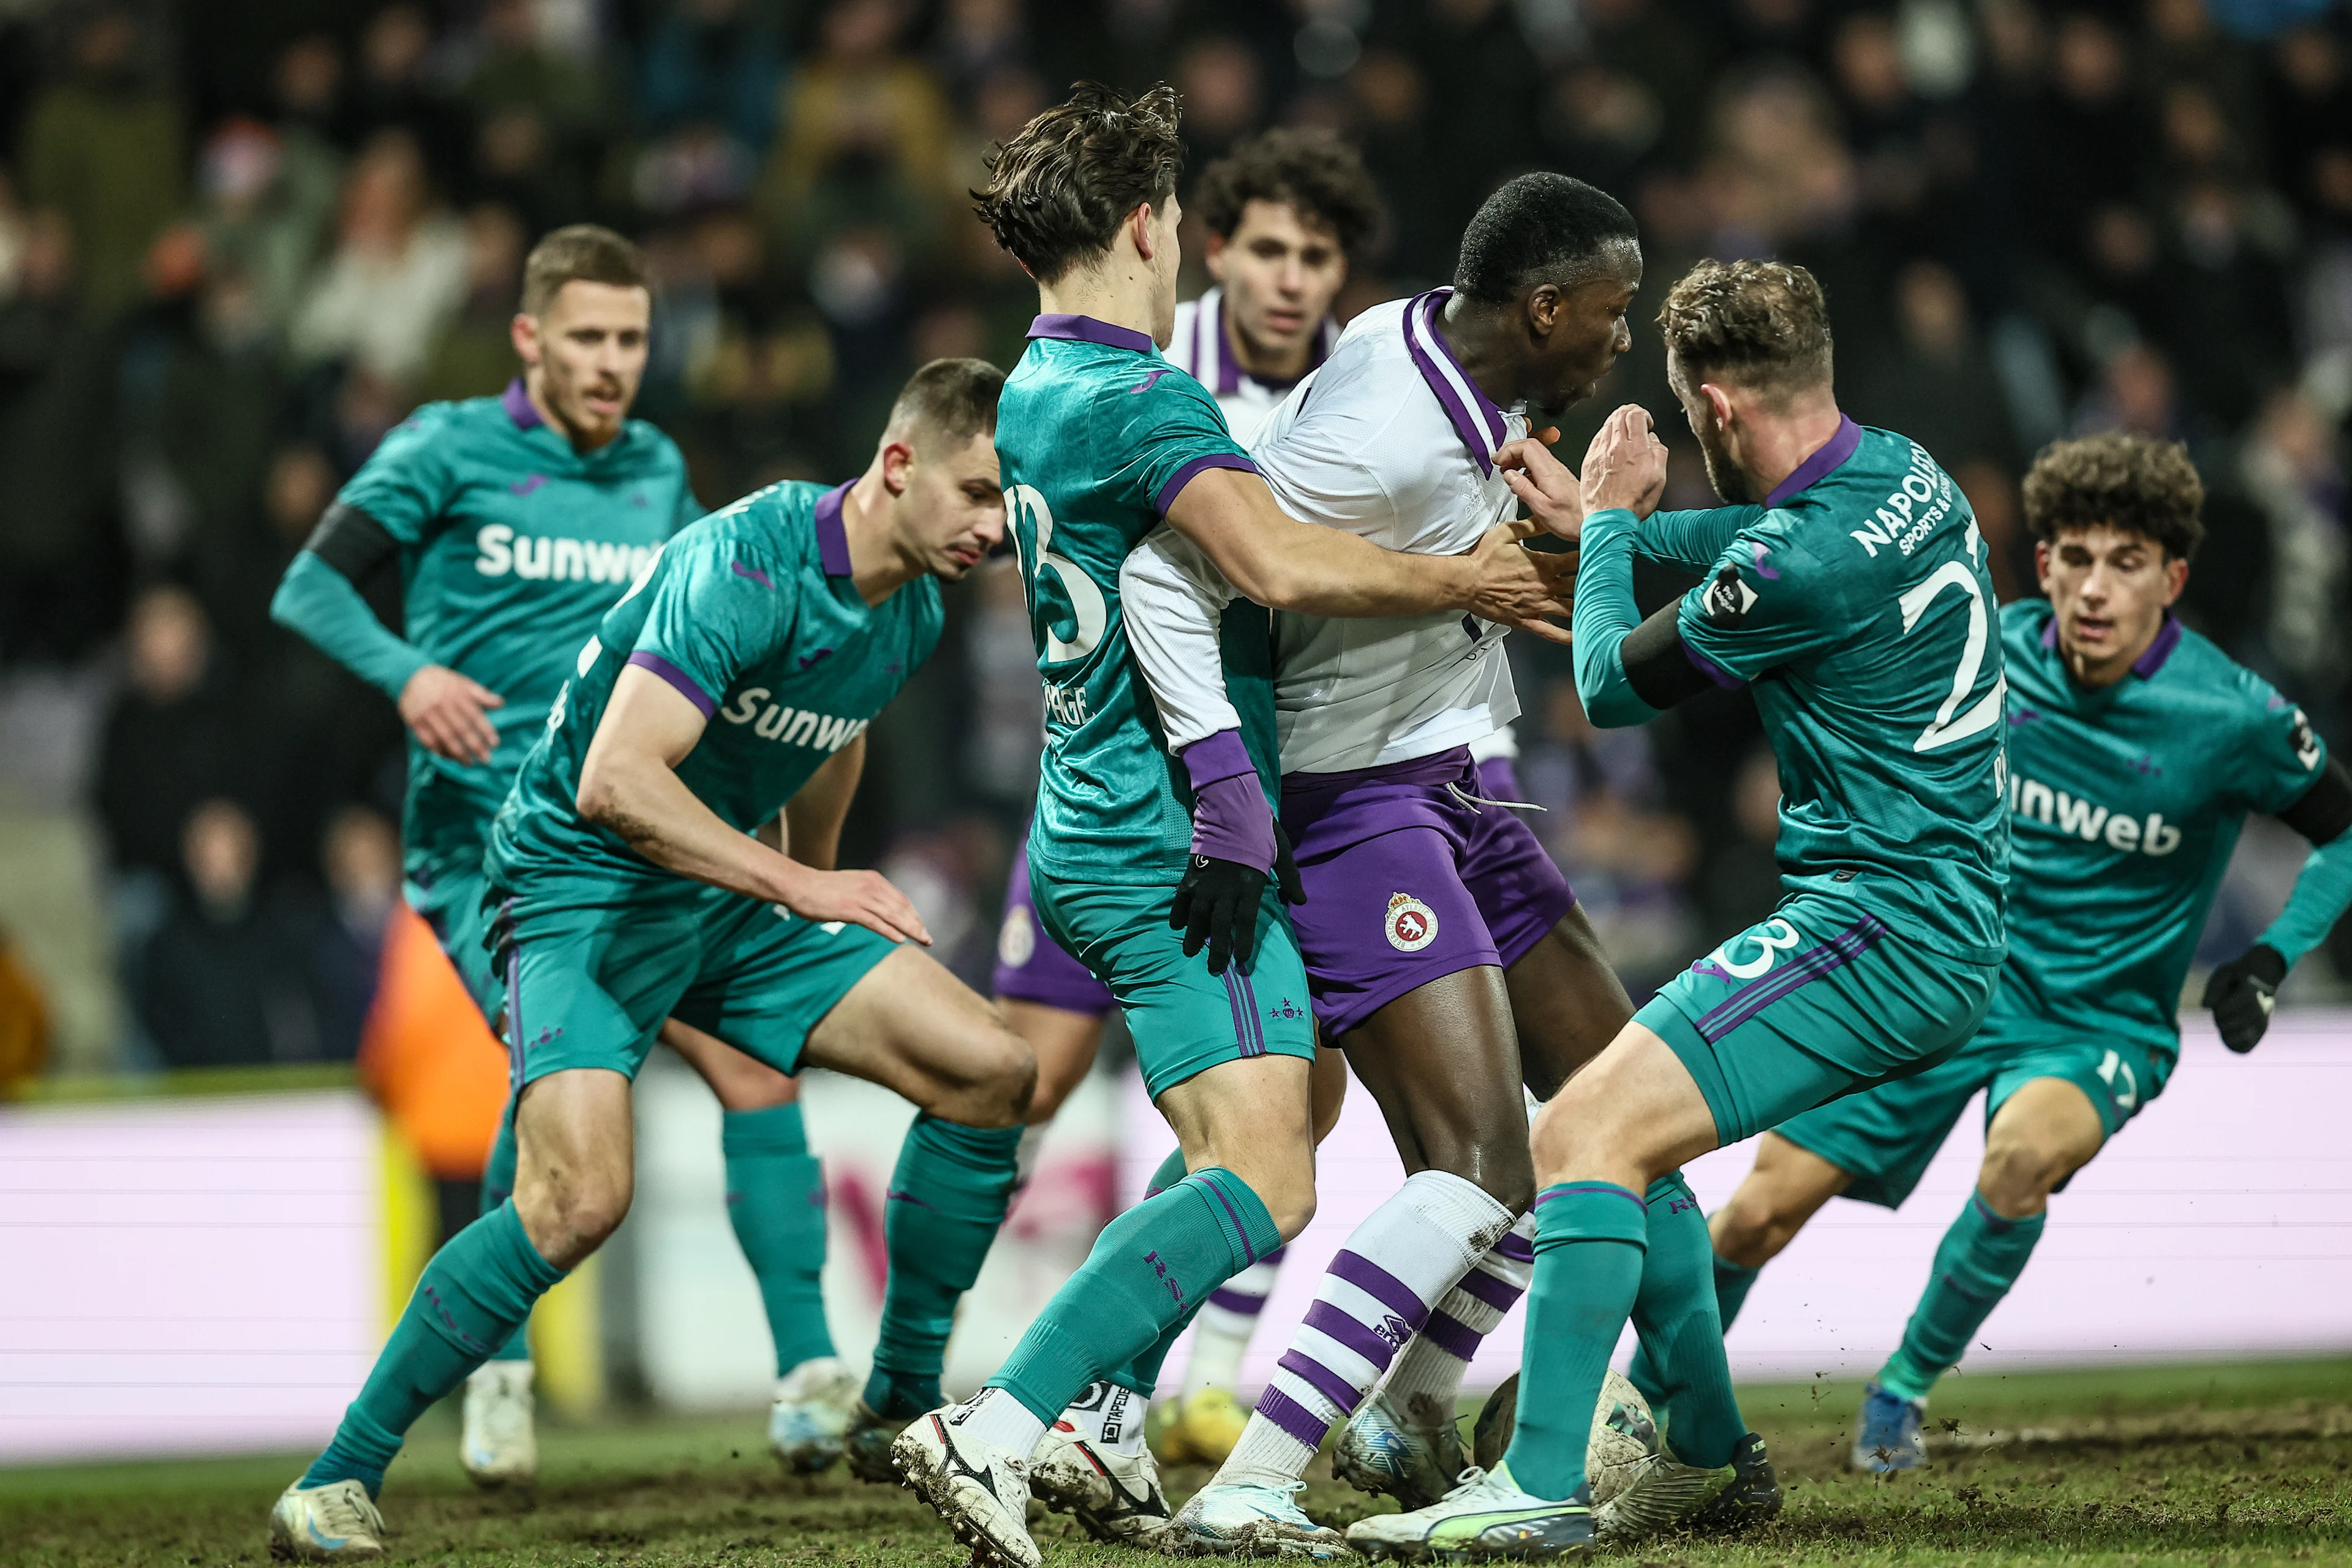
x=687 y=686
x=1231 y=820
x=1185 y=475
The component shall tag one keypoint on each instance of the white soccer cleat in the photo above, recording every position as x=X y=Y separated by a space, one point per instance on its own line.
x=981 y=1491
x=500 y=1446
x=335 y=1523
x=1248 y=1518
x=1486 y=1516
x=1115 y=1496
x=1382 y=1451
x=810 y=1418
x=1662 y=1495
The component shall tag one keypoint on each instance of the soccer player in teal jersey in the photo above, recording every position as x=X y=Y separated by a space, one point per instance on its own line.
x=733 y=682
x=517 y=521
x=2135 y=750
x=1854 y=597
x=1140 y=859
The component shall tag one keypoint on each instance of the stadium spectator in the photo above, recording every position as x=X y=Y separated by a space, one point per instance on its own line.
x=398 y=271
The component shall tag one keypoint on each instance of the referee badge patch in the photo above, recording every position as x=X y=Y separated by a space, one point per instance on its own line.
x=1411 y=925
x=1728 y=599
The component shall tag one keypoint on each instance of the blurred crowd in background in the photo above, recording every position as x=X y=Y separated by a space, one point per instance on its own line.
x=240 y=241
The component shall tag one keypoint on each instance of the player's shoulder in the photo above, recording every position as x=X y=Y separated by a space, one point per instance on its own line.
x=439 y=431
x=2192 y=668
x=2023 y=623
x=650 y=449
x=775 y=525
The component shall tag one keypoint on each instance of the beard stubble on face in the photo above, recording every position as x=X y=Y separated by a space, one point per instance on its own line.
x=1723 y=473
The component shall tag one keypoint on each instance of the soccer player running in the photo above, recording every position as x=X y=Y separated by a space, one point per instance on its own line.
x=1158 y=870
x=517 y=522
x=1283 y=211
x=2135 y=750
x=1847 y=584
x=1444 y=951
x=732 y=683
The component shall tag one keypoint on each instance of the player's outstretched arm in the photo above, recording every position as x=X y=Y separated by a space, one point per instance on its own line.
x=629 y=784
x=1286 y=564
x=320 y=598
x=1553 y=493
x=2240 y=992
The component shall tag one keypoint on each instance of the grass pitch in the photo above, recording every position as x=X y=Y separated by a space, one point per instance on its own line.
x=2206 y=1466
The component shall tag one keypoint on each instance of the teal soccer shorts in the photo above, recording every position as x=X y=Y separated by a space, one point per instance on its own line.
x=1818 y=1000
x=448 y=893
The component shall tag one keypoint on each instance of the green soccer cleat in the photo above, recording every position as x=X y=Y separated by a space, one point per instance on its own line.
x=1486 y=1516
x=335 y=1523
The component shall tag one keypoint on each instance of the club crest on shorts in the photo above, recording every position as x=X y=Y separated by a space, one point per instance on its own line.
x=1409 y=924
x=1016 y=943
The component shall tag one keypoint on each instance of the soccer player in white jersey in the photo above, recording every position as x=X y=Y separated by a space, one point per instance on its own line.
x=1445 y=953
x=1283 y=212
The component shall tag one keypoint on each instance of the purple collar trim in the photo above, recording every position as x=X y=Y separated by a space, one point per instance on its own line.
x=1086 y=329
x=2167 y=637
x=1824 y=462
x=832 y=538
x=519 y=408
x=1210 y=347
x=1475 y=419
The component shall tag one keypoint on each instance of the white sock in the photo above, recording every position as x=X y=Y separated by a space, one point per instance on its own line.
x=1108 y=1416
x=1426 y=1382
x=994 y=1416
x=1221 y=1331
x=1404 y=1255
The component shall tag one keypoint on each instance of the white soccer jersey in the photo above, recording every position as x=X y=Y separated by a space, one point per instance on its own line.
x=1390 y=439
x=1201 y=349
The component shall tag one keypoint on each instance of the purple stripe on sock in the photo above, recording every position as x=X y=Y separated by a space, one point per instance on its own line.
x=1567 y=1189
x=1338 y=1326
x=1247 y=1304
x=1232 y=1214
x=1322 y=1380
x=1516 y=1246
x=1380 y=1285
x=1293 y=1417
x=1499 y=1294
x=1452 y=1335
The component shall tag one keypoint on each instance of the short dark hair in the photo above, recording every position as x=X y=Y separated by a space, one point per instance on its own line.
x=951 y=399
x=1541 y=227
x=1764 y=324
x=1306 y=167
x=581 y=253
x=2139 y=485
x=1057 y=191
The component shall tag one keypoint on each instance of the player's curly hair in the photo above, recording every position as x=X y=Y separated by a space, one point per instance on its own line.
x=2140 y=485
x=1057 y=191
x=1308 y=168
x=1764 y=324
x=1541 y=227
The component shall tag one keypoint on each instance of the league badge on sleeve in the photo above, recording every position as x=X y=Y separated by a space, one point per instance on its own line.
x=1728 y=599
x=1411 y=925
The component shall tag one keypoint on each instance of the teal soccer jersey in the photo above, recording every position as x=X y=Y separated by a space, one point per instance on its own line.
x=1097 y=434
x=750 y=614
x=513 y=548
x=1858 y=609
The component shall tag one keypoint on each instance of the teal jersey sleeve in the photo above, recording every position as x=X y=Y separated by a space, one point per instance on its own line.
x=320 y=603
x=714 y=613
x=1693 y=540
x=2278 y=755
x=1166 y=432
x=1767 y=603
x=1603 y=615
x=410 y=479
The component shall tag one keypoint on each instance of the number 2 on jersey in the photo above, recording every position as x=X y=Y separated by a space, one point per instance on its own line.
x=1944 y=729
x=1086 y=599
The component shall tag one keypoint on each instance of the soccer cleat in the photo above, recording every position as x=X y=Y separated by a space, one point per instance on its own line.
x=867 y=1445
x=1248 y=1518
x=1751 y=1497
x=501 y=1446
x=1662 y=1495
x=1886 y=1436
x=335 y=1523
x=1486 y=1516
x=1115 y=1496
x=1381 y=1451
x=1200 y=1428
x=985 y=1504
x=815 y=1403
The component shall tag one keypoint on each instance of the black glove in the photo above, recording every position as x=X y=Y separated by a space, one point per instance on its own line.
x=1216 y=903
x=2242 y=993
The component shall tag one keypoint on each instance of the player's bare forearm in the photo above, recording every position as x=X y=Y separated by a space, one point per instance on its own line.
x=813 y=818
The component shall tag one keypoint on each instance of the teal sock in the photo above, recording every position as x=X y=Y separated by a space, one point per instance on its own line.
x=1590 y=1238
x=497 y=1186
x=1732 y=1282
x=775 y=1201
x=1150 y=1267
x=1981 y=1258
x=1675 y=1314
x=947 y=1198
x=474 y=1293
x=1141 y=1375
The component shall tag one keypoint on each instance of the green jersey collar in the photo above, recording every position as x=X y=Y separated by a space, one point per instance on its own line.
x=1086 y=329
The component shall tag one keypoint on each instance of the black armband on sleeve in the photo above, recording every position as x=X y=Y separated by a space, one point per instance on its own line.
x=1657 y=667
x=351 y=541
x=2326 y=809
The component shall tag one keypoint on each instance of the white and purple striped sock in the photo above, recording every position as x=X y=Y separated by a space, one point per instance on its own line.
x=1377 y=1293
x=1427 y=1381
x=1221 y=1331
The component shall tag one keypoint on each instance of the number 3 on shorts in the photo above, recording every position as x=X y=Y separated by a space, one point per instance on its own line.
x=1772 y=937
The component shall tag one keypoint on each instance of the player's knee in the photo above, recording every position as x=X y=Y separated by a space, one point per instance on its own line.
x=1003 y=1078
x=570 y=1213
x=2021 y=1170
x=1289 y=1202
x=1571 y=1135
x=1750 y=1229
